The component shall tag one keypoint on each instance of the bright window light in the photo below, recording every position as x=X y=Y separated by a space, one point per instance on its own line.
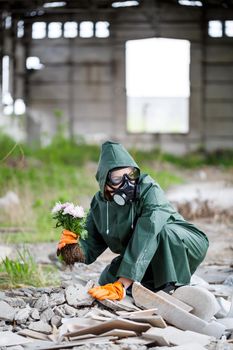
x=54 y=4
x=54 y=30
x=86 y=29
x=190 y=3
x=19 y=106
x=157 y=85
x=8 y=110
x=5 y=79
x=34 y=63
x=117 y=4
x=70 y=30
x=8 y=22
x=229 y=28
x=215 y=29
x=20 y=29
x=102 y=29
x=39 y=30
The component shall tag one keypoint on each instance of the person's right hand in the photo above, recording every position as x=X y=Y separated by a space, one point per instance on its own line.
x=67 y=237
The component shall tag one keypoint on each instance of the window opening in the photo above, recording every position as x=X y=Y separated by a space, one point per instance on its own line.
x=215 y=29
x=102 y=29
x=38 y=30
x=70 y=30
x=86 y=29
x=229 y=28
x=54 y=30
x=157 y=85
x=20 y=29
x=33 y=63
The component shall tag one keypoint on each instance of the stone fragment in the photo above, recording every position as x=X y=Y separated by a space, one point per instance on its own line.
x=56 y=299
x=56 y=321
x=35 y=314
x=47 y=314
x=40 y=326
x=227 y=322
x=203 y=302
x=176 y=336
x=15 y=302
x=33 y=334
x=22 y=315
x=175 y=301
x=173 y=314
x=59 y=311
x=77 y=295
x=69 y=310
x=7 y=312
x=42 y=303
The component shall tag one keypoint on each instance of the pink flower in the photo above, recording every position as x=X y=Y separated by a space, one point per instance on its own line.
x=57 y=207
x=69 y=209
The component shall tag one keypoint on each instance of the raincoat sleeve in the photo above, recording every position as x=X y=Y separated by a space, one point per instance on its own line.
x=145 y=238
x=93 y=245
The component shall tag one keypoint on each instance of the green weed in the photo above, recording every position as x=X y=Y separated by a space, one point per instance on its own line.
x=23 y=271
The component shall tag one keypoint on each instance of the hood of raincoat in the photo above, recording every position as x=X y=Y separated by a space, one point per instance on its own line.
x=113 y=155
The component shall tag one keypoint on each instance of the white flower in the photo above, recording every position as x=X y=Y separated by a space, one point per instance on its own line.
x=79 y=212
x=57 y=207
x=69 y=209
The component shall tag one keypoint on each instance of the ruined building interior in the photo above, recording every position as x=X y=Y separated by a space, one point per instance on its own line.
x=64 y=63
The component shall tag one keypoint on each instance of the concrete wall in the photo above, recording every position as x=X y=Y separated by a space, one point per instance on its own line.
x=82 y=84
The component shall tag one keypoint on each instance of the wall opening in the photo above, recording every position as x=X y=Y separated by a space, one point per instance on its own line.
x=157 y=85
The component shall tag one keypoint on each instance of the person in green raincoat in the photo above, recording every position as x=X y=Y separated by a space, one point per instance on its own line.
x=131 y=215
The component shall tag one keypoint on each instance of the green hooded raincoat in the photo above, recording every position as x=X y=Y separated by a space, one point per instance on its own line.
x=155 y=245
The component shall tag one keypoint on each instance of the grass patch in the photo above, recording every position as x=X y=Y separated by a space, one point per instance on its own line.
x=23 y=271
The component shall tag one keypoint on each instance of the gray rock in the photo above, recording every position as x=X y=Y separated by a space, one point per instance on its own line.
x=2 y=295
x=42 y=303
x=69 y=310
x=35 y=314
x=57 y=299
x=22 y=315
x=15 y=302
x=59 y=311
x=77 y=295
x=40 y=326
x=47 y=314
x=56 y=321
x=7 y=312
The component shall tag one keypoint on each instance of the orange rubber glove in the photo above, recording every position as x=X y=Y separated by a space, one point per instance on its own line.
x=112 y=291
x=67 y=237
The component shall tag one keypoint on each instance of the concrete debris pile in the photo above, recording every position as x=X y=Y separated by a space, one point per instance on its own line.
x=192 y=318
x=204 y=200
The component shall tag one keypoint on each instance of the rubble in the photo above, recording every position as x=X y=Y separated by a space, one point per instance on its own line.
x=54 y=318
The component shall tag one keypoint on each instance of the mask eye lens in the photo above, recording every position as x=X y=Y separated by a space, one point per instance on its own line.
x=114 y=179
x=134 y=174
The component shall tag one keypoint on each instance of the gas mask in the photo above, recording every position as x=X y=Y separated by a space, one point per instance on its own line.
x=128 y=191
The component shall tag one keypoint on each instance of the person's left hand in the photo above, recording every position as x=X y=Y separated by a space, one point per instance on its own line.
x=112 y=291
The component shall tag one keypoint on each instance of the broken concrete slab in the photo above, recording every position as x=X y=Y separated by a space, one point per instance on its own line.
x=7 y=312
x=227 y=322
x=173 y=314
x=120 y=333
x=33 y=334
x=203 y=302
x=176 y=336
x=126 y=305
x=175 y=300
x=104 y=327
x=10 y=339
x=154 y=321
x=125 y=314
x=190 y=346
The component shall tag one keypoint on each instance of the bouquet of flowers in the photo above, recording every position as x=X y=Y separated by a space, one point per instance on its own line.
x=73 y=221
